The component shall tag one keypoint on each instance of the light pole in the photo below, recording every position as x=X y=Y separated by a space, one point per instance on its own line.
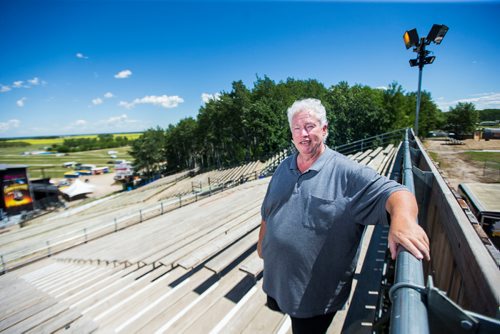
x=411 y=39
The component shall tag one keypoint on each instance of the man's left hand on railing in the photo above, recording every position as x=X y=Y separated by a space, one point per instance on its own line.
x=404 y=229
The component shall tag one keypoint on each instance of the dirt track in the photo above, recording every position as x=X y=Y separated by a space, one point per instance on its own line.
x=454 y=167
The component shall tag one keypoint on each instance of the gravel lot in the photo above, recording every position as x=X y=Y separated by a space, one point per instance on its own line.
x=453 y=167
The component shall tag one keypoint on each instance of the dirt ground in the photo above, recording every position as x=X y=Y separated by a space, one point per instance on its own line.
x=104 y=185
x=457 y=170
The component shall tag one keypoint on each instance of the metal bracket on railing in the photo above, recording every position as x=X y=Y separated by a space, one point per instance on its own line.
x=420 y=289
x=445 y=316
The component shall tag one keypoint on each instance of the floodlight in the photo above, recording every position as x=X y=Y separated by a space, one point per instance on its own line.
x=436 y=34
x=411 y=38
x=429 y=60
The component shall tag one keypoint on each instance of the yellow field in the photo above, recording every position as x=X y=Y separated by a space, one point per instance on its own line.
x=50 y=141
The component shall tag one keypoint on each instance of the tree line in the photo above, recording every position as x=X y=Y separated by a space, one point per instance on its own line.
x=100 y=142
x=247 y=124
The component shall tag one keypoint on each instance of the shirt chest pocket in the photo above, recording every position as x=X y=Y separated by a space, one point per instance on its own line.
x=322 y=213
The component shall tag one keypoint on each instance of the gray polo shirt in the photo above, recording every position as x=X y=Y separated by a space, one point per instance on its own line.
x=314 y=222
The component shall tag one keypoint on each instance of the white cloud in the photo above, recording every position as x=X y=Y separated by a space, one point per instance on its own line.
x=123 y=74
x=97 y=101
x=20 y=102
x=381 y=87
x=35 y=81
x=481 y=101
x=162 y=101
x=81 y=56
x=206 y=97
x=117 y=120
x=17 y=84
x=10 y=124
x=80 y=122
x=22 y=84
x=108 y=95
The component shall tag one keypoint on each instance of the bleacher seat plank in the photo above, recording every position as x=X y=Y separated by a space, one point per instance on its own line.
x=101 y=309
x=221 y=307
x=375 y=152
x=264 y=321
x=193 y=228
x=126 y=309
x=218 y=243
x=363 y=155
x=176 y=303
x=36 y=319
x=221 y=261
x=81 y=325
x=200 y=240
x=190 y=232
x=102 y=296
x=253 y=265
x=84 y=283
x=25 y=313
x=243 y=312
x=388 y=148
x=220 y=288
x=56 y=323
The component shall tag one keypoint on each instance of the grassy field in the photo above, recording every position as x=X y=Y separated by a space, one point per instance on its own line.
x=482 y=156
x=52 y=165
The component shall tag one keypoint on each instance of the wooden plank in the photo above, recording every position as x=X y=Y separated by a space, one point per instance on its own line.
x=36 y=319
x=230 y=254
x=94 y=299
x=125 y=290
x=264 y=321
x=222 y=303
x=245 y=313
x=132 y=307
x=56 y=323
x=26 y=313
x=218 y=243
x=80 y=325
x=176 y=302
x=253 y=265
x=187 y=248
x=191 y=314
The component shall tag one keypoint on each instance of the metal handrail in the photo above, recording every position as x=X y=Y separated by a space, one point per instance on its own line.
x=409 y=312
x=362 y=144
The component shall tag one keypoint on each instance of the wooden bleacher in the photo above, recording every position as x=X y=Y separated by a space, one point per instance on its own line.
x=193 y=270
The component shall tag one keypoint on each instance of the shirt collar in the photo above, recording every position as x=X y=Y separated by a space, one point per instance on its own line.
x=318 y=164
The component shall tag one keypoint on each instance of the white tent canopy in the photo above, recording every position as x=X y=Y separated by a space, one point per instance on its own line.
x=78 y=188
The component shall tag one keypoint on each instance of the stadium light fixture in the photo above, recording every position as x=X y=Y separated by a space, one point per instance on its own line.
x=411 y=39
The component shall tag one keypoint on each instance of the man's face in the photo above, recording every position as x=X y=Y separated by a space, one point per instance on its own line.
x=307 y=133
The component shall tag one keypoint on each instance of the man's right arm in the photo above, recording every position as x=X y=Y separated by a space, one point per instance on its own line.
x=262 y=232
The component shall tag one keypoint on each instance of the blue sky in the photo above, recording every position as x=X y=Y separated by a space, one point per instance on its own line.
x=71 y=67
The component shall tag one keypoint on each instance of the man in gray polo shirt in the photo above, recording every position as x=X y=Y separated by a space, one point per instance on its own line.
x=314 y=213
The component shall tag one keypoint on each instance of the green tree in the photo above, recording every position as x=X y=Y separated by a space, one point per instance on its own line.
x=148 y=152
x=181 y=149
x=462 y=118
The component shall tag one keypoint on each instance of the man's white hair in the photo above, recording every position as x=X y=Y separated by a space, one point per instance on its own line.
x=312 y=105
